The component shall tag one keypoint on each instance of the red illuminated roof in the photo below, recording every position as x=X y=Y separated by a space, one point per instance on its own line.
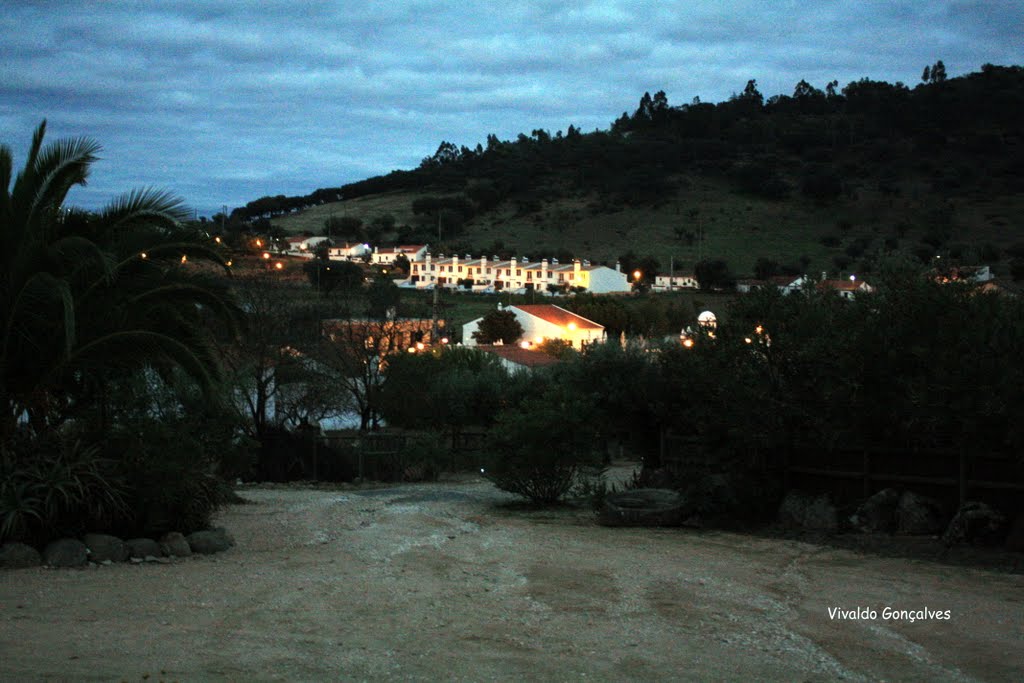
x=558 y=316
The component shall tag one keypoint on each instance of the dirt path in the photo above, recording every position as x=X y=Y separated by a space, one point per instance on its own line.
x=437 y=581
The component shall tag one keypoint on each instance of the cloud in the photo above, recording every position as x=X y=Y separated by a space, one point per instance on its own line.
x=224 y=102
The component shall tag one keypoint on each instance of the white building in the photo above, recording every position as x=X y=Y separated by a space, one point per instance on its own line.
x=304 y=246
x=385 y=256
x=491 y=275
x=545 y=321
x=348 y=252
x=665 y=283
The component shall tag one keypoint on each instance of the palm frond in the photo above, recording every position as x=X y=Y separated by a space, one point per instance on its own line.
x=79 y=256
x=60 y=166
x=140 y=348
x=31 y=314
x=148 y=205
x=189 y=294
x=6 y=169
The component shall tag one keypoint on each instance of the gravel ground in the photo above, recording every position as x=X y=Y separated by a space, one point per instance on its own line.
x=449 y=581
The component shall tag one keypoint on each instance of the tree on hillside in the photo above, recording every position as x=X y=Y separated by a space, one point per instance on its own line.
x=500 y=325
x=383 y=297
x=344 y=227
x=713 y=274
x=328 y=276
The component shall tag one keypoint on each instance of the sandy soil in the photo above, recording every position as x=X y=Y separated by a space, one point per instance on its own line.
x=443 y=581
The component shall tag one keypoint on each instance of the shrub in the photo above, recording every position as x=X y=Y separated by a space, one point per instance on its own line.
x=55 y=486
x=539 y=448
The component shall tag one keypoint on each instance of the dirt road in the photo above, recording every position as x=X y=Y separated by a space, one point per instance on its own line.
x=441 y=582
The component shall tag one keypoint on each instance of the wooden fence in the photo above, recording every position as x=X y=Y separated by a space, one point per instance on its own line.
x=852 y=473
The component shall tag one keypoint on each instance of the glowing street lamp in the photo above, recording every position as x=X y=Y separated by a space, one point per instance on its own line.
x=279 y=265
x=266 y=256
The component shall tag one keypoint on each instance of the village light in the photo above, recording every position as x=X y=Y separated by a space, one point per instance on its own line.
x=853 y=278
x=266 y=256
x=524 y=345
x=538 y=339
x=412 y=349
x=419 y=346
x=259 y=243
x=216 y=239
x=444 y=340
x=184 y=258
x=748 y=340
x=229 y=263
x=279 y=265
x=143 y=255
x=572 y=326
x=688 y=343
x=759 y=329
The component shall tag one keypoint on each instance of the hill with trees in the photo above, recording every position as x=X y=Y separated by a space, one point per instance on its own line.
x=828 y=179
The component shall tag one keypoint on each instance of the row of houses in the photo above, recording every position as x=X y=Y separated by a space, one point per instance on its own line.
x=305 y=247
x=485 y=274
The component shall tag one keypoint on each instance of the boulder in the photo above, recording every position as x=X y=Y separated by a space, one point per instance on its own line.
x=917 y=514
x=143 y=547
x=103 y=547
x=210 y=541
x=1015 y=539
x=976 y=523
x=19 y=556
x=65 y=552
x=877 y=513
x=643 y=507
x=802 y=511
x=174 y=544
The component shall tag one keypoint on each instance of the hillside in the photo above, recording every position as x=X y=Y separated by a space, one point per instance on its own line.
x=820 y=180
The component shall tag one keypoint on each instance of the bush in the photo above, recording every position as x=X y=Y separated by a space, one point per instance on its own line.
x=56 y=486
x=539 y=448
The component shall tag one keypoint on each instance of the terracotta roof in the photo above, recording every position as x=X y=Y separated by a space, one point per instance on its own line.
x=401 y=249
x=296 y=240
x=558 y=316
x=520 y=356
x=844 y=285
x=782 y=280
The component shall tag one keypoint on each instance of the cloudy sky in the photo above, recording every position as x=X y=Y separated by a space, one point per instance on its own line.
x=223 y=102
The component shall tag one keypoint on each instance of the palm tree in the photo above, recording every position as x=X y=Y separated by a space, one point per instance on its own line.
x=87 y=298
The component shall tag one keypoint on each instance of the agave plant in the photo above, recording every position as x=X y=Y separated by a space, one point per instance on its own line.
x=85 y=298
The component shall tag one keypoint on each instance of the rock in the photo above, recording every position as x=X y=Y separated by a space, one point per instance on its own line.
x=210 y=541
x=65 y=552
x=19 y=556
x=877 y=513
x=103 y=547
x=141 y=547
x=802 y=511
x=173 y=544
x=643 y=507
x=976 y=523
x=917 y=514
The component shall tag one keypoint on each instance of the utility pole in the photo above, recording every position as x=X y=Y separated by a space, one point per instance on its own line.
x=434 y=333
